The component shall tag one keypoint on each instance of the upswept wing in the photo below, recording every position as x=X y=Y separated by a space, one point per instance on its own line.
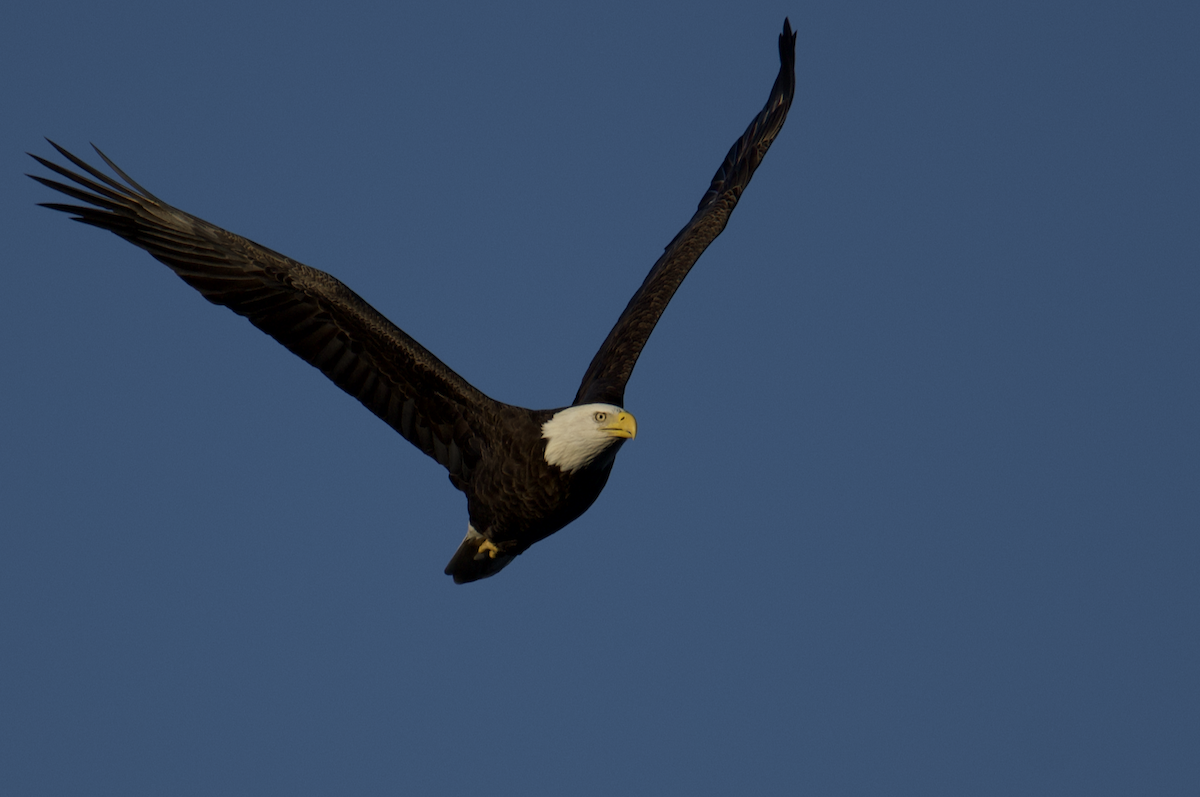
x=610 y=368
x=314 y=315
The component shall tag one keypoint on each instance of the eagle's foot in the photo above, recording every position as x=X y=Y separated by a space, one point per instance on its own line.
x=491 y=549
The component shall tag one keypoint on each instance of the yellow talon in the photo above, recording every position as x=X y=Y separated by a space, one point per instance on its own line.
x=490 y=548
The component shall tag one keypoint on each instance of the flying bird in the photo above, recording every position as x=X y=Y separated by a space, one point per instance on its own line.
x=525 y=473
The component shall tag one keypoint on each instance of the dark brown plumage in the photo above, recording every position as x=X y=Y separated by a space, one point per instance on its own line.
x=525 y=473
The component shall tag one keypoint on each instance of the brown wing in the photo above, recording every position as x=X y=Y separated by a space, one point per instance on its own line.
x=314 y=315
x=610 y=368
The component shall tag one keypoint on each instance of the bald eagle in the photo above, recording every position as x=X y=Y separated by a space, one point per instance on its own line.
x=525 y=473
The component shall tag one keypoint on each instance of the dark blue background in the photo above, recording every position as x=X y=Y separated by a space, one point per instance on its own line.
x=915 y=500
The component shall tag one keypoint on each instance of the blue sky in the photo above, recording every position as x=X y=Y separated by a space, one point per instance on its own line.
x=915 y=499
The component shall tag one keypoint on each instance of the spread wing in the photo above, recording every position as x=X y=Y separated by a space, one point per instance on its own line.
x=314 y=315
x=610 y=368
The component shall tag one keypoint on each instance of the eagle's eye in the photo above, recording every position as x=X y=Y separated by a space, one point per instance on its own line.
x=601 y=417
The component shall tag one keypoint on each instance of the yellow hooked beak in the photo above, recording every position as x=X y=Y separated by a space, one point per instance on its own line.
x=624 y=425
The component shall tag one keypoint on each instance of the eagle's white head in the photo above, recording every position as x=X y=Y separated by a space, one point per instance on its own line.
x=579 y=436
